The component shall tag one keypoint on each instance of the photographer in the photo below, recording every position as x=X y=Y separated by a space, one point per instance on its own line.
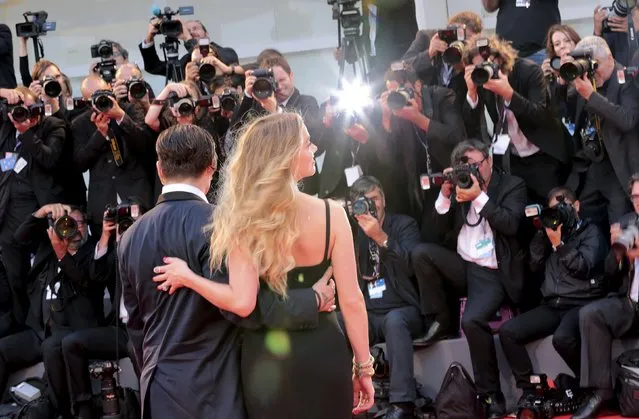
x=383 y=245
x=571 y=252
x=112 y=147
x=131 y=88
x=7 y=73
x=606 y=135
x=614 y=30
x=613 y=317
x=480 y=220
x=417 y=136
x=192 y=32
x=62 y=299
x=507 y=106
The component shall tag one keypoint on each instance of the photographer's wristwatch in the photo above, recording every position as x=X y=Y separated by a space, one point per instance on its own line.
x=385 y=244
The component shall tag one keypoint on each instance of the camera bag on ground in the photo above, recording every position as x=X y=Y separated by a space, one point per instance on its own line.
x=627 y=387
x=457 y=397
x=38 y=408
x=128 y=402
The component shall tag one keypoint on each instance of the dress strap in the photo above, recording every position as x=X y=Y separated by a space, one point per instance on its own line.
x=328 y=229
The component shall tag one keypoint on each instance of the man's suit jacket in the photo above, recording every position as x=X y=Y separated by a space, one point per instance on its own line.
x=92 y=152
x=504 y=212
x=619 y=112
x=530 y=105
x=7 y=72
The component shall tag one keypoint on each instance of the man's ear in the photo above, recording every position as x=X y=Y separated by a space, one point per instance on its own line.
x=160 y=172
x=576 y=205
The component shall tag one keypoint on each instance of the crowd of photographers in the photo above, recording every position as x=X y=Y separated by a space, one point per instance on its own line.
x=498 y=168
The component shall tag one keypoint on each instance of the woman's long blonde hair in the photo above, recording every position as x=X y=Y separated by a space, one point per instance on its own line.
x=256 y=205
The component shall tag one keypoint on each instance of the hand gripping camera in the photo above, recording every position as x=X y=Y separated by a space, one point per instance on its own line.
x=454 y=36
x=167 y=26
x=123 y=215
x=21 y=112
x=102 y=101
x=65 y=227
x=619 y=8
x=51 y=87
x=563 y=214
x=265 y=84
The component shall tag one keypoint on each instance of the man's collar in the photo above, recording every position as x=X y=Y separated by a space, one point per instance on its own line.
x=183 y=187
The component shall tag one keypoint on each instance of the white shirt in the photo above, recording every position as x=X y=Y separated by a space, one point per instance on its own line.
x=634 y=287
x=183 y=187
x=474 y=244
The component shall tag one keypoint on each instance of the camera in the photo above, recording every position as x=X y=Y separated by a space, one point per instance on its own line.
x=619 y=8
x=626 y=239
x=103 y=49
x=136 y=88
x=206 y=71
x=484 y=72
x=546 y=402
x=563 y=214
x=20 y=112
x=123 y=215
x=399 y=98
x=106 y=66
x=555 y=63
x=105 y=372
x=229 y=99
x=185 y=106
x=583 y=64
x=51 y=87
x=265 y=84
x=461 y=175
x=454 y=36
x=363 y=205
x=35 y=25
x=65 y=227
x=167 y=26
x=102 y=100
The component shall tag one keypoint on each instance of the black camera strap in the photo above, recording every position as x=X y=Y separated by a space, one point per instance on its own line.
x=427 y=110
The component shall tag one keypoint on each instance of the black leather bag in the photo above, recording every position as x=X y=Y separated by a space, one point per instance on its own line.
x=457 y=397
x=627 y=388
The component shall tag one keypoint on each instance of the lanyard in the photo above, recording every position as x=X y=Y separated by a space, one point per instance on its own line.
x=424 y=143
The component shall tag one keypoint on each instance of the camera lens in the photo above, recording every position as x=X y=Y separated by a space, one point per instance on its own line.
x=105 y=51
x=185 y=109
x=137 y=90
x=397 y=99
x=481 y=74
x=453 y=53
x=65 y=227
x=207 y=72
x=124 y=224
x=360 y=207
x=262 y=88
x=550 y=218
x=52 y=88
x=20 y=113
x=575 y=69
x=171 y=28
x=103 y=103
x=228 y=103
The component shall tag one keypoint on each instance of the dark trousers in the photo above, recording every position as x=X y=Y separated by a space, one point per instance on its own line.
x=437 y=269
x=89 y=344
x=397 y=328
x=562 y=322
x=599 y=324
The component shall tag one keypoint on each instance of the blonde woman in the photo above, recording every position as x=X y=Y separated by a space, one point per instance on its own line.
x=269 y=234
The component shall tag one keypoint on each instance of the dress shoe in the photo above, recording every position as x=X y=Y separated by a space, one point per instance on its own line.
x=593 y=405
x=495 y=404
x=399 y=412
x=436 y=332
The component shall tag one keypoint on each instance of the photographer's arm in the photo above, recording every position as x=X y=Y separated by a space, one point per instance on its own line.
x=6 y=40
x=450 y=130
x=46 y=150
x=624 y=115
x=135 y=136
x=531 y=107
x=506 y=216
x=540 y=249
x=88 y=144
x=25 y=73
x=31 y=230
x=589 y=252
x=151 y=60
x=418 y=55
x=77 y=267
x=400 y=245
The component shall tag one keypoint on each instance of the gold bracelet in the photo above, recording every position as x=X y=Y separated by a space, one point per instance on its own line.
x=363 y=372
x=365 y=364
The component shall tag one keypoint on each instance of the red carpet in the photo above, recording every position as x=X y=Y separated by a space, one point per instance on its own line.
x=602 y=416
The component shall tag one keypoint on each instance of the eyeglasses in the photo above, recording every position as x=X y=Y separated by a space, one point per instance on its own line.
x=467 y=160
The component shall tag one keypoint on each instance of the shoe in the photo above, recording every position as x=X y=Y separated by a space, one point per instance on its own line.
x=434 y=334
x=399 y=412
x=593 y=405
x=495 y=404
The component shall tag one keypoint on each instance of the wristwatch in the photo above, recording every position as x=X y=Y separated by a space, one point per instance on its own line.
x=554 y=248
x=385 y=244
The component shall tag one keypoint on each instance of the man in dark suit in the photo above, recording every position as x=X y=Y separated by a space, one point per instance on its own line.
x=481 y=223
x=613 y=317
x=383 y=246
x=62 y=299
x=606 y=137
x=192 y=32
x=7 y=72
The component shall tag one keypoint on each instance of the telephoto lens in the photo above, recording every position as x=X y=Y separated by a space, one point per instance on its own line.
x=399 y=98
x=51 y=87
x=137 y=88
x=484 y=72
x=102 y=100
x=20 y=113
x=264 y=86
x=65 y=227
x=207 y=72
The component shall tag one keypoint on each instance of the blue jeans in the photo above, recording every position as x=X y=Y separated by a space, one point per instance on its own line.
x=538 y=56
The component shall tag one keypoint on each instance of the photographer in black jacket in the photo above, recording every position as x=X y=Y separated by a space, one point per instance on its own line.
x=572 y=252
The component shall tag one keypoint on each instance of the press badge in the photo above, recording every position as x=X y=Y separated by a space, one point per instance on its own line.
x=522 y=3
x=21 y=164
x=424 y=181
x=376 y=288
x=500 y=146
x=352 y=174
x=483 y=248
x=52 y=291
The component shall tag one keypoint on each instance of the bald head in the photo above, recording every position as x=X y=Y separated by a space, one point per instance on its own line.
x=91 y=84
x=127 y=72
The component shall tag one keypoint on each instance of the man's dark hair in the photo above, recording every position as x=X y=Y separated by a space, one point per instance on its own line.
x=408 y=74
x=364 y=185
x=185 y=151
x=468 y=145
x=268 y=53
x=470 y=19
x=567 y=193
x=275 y=60
x=201 y=24
x=633 y=179
x=119 y=47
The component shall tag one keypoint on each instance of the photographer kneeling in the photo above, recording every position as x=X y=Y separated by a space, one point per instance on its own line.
x=572 y=251
x=480 y=220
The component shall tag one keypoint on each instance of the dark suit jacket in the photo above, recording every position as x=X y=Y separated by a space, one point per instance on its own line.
x=530 y=105
x=188 y=352
x=619 y=112
x=621 y=275
x=153 y=64
x=504 y=212
x=403 y=236
x=7 y=72
x=82 y=301
x=92 y=152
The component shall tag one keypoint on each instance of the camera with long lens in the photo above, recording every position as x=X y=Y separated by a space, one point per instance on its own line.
x=168 y=26
x=399 y=98
x=626 y=239
x=546 y=402
x=185 y=106
x=454 y=36
x=136 y=88
x=265 y=84
x=65 y=227
x=619 y=8
x=583 y=64
x=123 y=215
x=229 y=99
x=361 y=206
x=563 y=214
x=51 y=87
x=484 y=72
x=105 y=372
x=102 y=100
x=206 y=72
x=21 y=112
x=35 y=25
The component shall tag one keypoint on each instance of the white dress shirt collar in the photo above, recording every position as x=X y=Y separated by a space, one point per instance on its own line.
x=183 y=187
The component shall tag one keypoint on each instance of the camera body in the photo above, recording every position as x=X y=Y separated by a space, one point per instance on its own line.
x=584 y=63
x=454 y=36
x=103 y=49
x=265 y=84
x=563 y=214
x=123 y=215
x=65 y=227
x=136 y=88
x=363 y=205
x=399 y=98
x=105 y=372
x=206 y=72
x=185 y=106
x=619 y=8
x=51 y=87
x=35 y=25
x=169 y=27
x=484 y=72
x=102 y=101
x=21 y=112
x=626 y=239
x=229 y=99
